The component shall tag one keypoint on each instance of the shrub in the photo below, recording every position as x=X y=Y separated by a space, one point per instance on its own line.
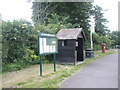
x=17 y=50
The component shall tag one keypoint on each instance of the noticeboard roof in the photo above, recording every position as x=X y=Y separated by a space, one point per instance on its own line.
x=46 y=35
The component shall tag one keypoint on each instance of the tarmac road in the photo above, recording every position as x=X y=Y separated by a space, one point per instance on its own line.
x=102 y=73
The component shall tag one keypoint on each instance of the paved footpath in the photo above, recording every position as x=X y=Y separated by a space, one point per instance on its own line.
x=102 y=73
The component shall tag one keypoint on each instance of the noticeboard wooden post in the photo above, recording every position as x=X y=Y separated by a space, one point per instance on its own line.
x=47 y=44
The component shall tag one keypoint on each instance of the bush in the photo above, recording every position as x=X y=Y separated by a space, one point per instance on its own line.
x=98 y=40
x=18 y=64
x=18 y=50
x=12 y=67
x=15 y=40
x=96 y=47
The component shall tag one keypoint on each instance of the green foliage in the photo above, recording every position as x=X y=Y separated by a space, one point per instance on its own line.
x=100 y=21
x=19 y=37
x=87 y=44
x=17 y=45
x=115 y=36
x=52 y=25
x=72 y=15
x=41 y=10
x=55 y=23
x=15 y=37
x=98 y=40
x=12 y=67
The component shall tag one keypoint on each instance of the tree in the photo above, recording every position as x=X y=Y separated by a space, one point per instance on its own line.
x=115 y=35
x=71 y=15
x=41 y=10
x=98 y=40
x=100 y=21
x=78 y=13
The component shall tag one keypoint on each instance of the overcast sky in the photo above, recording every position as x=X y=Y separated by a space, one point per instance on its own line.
x=16 y=9
x=112 y=12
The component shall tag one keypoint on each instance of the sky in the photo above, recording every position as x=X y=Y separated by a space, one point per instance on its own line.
x=16 y=9
x=112 y=12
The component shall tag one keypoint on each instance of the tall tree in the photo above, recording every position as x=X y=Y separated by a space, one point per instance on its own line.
x=41 y=10
x=78 y=13
x=100 y=21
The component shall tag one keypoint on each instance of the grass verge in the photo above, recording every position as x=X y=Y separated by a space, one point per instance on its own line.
x=49 y=79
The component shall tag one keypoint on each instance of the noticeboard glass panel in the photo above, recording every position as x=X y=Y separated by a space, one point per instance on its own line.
x=47 y=44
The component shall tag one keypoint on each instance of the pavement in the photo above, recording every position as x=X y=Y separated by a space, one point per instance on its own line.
x=102 y=73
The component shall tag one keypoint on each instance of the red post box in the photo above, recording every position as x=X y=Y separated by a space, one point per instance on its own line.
x=103 y=48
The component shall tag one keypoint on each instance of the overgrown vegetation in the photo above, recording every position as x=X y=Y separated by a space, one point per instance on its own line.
x=18 y=45
x=19 y=37
x=115 y=36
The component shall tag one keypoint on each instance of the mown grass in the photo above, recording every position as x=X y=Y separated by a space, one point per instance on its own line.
x=52 y=79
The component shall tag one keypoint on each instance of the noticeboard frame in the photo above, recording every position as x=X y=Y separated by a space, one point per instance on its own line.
x=46 y=35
